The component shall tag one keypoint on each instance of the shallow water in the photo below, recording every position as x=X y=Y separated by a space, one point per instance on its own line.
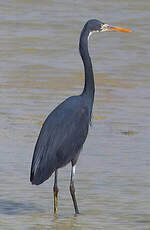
x=40 y=67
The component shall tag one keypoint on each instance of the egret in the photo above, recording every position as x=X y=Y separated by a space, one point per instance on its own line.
x=65 y=130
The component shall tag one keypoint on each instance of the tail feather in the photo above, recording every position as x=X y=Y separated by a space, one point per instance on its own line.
x=39 y=177
x=40 y=172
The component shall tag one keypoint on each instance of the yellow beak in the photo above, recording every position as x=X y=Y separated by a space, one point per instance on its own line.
x=107 y=27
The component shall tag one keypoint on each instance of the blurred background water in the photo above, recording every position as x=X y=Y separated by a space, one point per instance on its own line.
x=39 y=67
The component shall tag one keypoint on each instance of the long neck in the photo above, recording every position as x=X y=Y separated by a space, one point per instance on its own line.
x=89 y=86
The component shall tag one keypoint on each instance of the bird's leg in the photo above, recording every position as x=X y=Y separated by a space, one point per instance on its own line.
x=72 y=189
x=55 y=190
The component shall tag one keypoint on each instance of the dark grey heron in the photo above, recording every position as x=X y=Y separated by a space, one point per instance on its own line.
x=65 y=130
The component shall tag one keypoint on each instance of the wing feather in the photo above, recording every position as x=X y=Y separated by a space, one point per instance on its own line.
x=60 y=139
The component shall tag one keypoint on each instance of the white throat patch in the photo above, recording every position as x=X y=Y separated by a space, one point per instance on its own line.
x=95 y=31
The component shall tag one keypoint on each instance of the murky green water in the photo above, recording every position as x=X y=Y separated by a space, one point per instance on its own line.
x=39 y=67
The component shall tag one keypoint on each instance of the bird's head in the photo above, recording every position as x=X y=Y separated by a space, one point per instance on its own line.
x=95 y=25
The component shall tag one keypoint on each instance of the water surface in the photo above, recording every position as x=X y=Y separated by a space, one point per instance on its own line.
x=40 y=66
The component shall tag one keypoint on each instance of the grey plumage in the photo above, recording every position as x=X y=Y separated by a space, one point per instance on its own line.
x=65 y=129
x=61 y=138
